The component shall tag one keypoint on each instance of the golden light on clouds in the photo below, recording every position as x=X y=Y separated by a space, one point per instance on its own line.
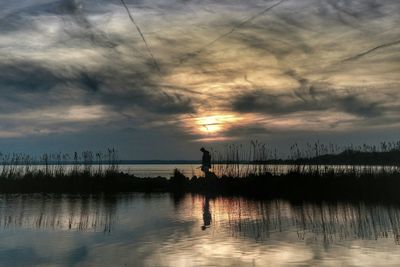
x=209 y=127
x=213 y=124
x=213 y=127
x=227 y=71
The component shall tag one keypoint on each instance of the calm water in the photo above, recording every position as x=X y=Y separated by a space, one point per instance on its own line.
x=163 y=230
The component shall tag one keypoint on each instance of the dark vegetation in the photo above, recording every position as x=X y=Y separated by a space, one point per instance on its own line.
x=308 y=177
x=386 y=153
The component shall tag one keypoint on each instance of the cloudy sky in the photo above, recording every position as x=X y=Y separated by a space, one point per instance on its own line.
x=160 y=78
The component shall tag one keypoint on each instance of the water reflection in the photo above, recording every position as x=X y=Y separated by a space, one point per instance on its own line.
x=193 y=230
x=241 y=217
x=206 y=213
x=323 y=221
x=72 y=212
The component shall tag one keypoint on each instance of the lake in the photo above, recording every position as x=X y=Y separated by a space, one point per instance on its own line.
x=193 y=230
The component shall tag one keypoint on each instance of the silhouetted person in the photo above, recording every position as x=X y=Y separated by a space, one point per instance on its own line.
x=205 y=161
x=206 y=214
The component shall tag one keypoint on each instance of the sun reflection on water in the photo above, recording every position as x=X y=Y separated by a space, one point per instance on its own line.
x=196 y=230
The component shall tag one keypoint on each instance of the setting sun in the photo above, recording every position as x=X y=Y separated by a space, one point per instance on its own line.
x=215 y=123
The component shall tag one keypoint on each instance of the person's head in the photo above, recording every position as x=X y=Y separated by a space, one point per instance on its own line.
x=202 y=149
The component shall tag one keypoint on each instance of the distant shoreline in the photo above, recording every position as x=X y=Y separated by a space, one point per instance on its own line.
x=234 y=157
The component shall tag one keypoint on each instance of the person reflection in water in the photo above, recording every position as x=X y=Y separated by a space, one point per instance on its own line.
x=205 y=162
x=206 y=214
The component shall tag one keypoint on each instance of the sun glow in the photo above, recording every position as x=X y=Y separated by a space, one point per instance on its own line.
x=213 y=124
x=211 y=127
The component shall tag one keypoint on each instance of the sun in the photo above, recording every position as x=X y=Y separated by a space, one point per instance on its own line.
x=213 y=124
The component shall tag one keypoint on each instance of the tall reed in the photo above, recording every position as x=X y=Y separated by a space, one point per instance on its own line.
x=88 y=163
x=258 y=159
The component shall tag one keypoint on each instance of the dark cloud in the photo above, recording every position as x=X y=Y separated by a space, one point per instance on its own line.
x=306 y=97
x=26 y=76
x=74 y=65
x=234 y=28
x=29 y=85
x=372 y=50
x=358 y=9
x=247 y=130
x=260 y=101
x=72 y=13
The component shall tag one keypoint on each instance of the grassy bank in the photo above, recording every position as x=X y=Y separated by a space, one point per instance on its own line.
x=295 y=186
x=90 y=172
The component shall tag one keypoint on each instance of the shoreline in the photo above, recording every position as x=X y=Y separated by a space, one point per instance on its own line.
x=381 y=187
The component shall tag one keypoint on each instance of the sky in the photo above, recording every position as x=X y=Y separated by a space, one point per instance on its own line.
x=158 y=79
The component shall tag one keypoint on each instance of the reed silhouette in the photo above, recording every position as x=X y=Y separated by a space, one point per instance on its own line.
x=310 y=173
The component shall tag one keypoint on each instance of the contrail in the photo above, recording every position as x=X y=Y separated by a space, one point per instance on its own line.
x=372 y=50
x=141 y=35
x=232 y=30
